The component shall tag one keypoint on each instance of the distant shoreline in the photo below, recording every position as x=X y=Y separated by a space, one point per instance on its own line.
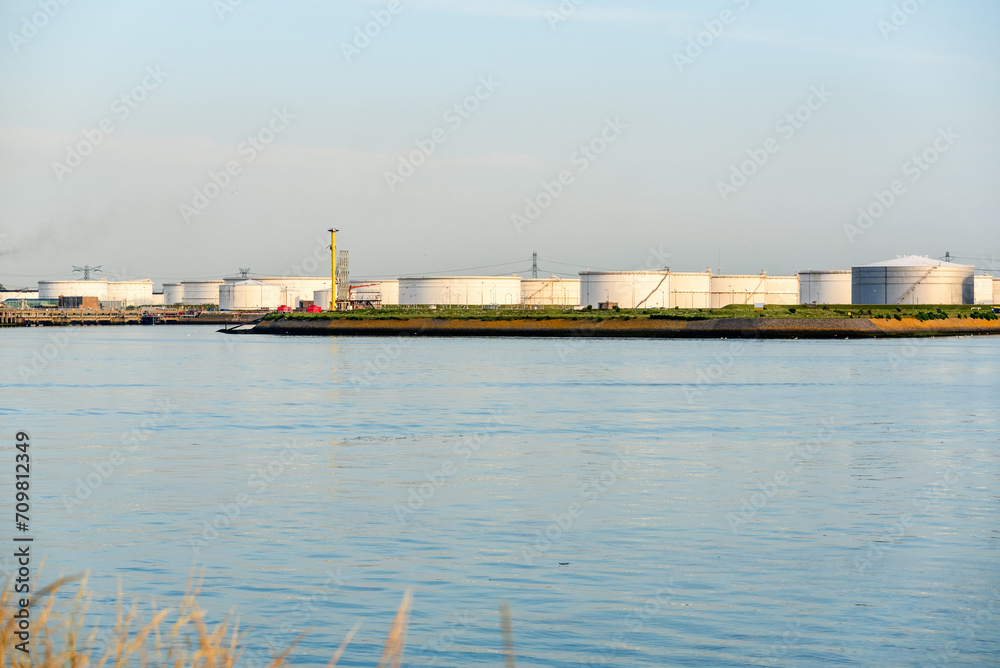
x=753 y=328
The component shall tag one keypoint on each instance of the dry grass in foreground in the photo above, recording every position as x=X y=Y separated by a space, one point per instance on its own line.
x=172 y=638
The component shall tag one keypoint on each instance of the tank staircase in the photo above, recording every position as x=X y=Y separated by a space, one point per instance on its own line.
x=652 y=292
x=915 y=285
x=756 y=290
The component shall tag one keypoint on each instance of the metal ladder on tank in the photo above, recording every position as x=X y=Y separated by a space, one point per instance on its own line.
x=652 y=292
x=914 y=286
x=746 y=299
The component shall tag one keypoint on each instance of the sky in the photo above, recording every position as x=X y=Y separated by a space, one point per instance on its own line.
x=185 y=139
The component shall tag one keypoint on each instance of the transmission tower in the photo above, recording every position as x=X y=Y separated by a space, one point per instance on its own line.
x=86 y=269
x=534 y=265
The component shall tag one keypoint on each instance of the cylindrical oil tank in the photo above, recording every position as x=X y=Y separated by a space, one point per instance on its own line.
x=386 y=292
x=912 y=280
x=739 y=289
x=551 y=291
x=983 y=288
x=389 y=290
x=825 y=287
x=173 y=293
x=199 y=293
x=250 y=295
x=782 y=290
x=297 y=288
x=996 y=290
x=460 y=290
x=321 y=298
x=57 y=289
x=627 y=289
x=690 y=290
x=157 y=299
x=17 y=294
x=131 y=293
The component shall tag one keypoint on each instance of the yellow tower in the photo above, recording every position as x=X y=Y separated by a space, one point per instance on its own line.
x=333 y=268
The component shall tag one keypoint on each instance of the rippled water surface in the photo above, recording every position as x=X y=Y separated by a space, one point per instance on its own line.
x=637 y=502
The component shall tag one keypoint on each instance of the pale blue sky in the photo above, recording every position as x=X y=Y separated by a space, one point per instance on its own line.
x=656 y=187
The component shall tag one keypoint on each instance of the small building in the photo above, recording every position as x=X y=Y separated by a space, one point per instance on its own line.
x=91 y=303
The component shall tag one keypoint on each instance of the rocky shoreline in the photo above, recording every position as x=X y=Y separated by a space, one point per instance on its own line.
x=753 y=328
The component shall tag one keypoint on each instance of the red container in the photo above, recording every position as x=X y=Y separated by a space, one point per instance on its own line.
x=313 y=309
x=284 y=309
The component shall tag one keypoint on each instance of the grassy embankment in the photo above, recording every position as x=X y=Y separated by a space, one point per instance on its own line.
x=922 y=313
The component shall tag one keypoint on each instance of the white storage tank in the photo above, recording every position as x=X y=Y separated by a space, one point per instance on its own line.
x=321 y=298
x=250 y=295
x=390 y=292
x=739 y=289
x=297 y=288
x=628 y=289
x=912 y=280
x=57 y=289
x=173 y=293
x=17 y=294
x=983 y=289
x=825 y=287
x=460 y=290
x=131 y=293
x=690 y=290
x=551 y=291
x=782 y=290
x=386 y=292
x=157 y=299
x=200 y=293
x=996 y=290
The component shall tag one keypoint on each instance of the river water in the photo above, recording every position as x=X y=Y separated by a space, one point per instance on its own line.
x=637 y=502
